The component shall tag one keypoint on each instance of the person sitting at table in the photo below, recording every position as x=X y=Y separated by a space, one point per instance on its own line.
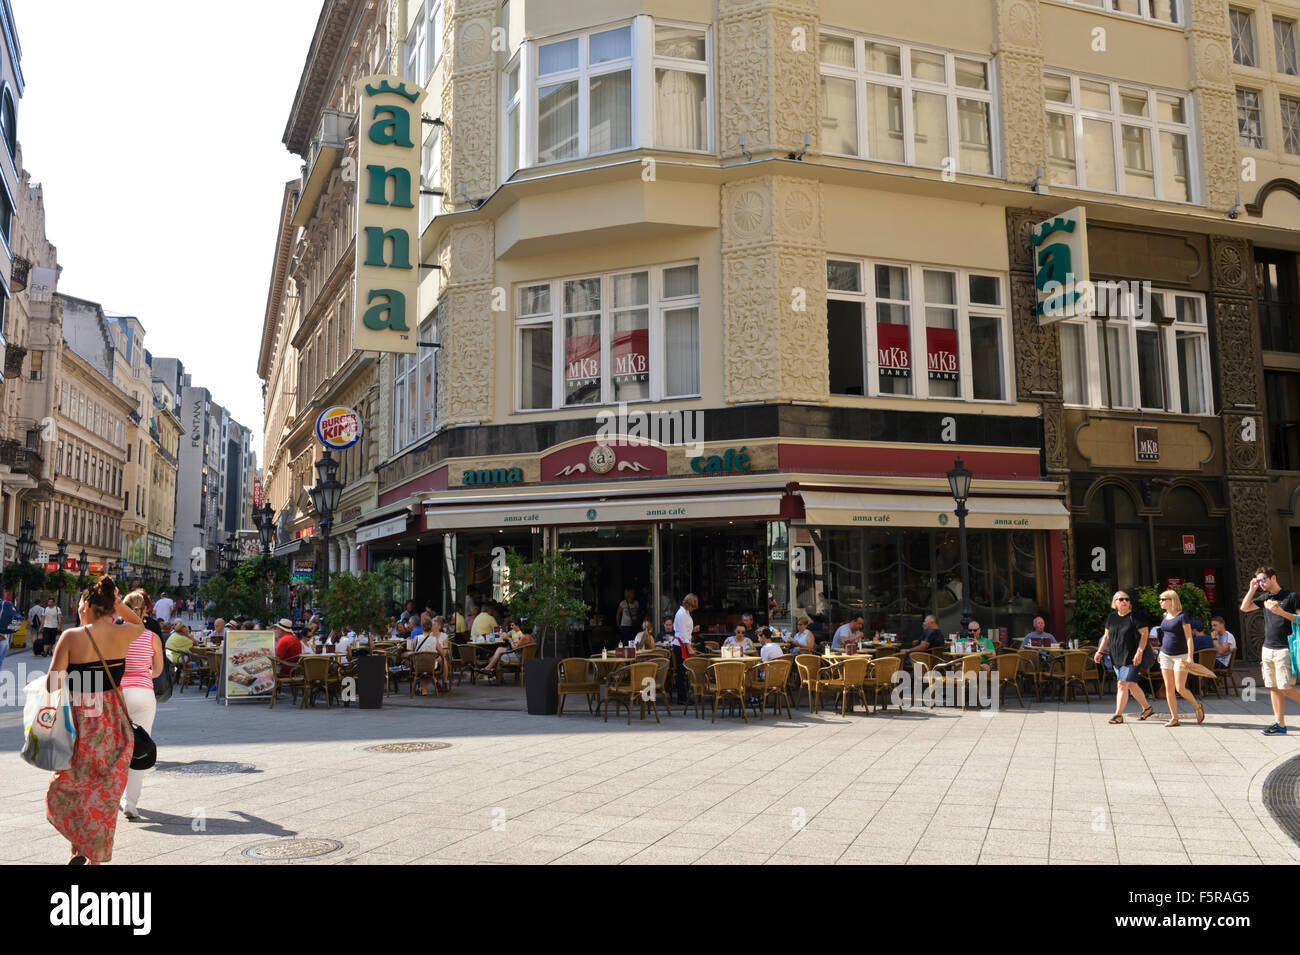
x=288 y=648
x=983 y=643
x=218 y=634
x=484 y=622
x=770 y=649
x=429 y=638
x=508 y=654
x=849 y=631
x=1200 y=639
x=747 y=621
x=179 y=642
x=343 y=644
x=931 y=636
x=740 y=639
x=645 y=640
x=804 y=640
x=1038 y=637
x=666 y=633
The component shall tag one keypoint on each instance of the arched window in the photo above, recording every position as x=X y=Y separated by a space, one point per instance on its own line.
x=9 y=123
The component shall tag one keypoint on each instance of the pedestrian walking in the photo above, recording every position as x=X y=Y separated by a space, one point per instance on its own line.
x=163 y=608
x=82 y=801
x=1127 y=643
x=1175 y=653
x=684 y=630
x=51 y=625
x=144 y=661
x=1275 y=659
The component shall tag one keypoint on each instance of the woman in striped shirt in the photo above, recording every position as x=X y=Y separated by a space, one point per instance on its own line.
x=144 y=661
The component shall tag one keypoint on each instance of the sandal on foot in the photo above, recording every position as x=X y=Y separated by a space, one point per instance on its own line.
x=1117 y=718
x=1200 y=713
x=1146 y=714
x=1173 y=722
x=78 y=860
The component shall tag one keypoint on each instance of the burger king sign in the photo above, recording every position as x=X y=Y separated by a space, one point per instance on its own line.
x=338 y=428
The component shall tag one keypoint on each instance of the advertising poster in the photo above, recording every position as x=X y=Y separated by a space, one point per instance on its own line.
x=249 y=656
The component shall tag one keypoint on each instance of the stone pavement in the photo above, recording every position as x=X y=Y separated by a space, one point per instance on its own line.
x=1050 y=783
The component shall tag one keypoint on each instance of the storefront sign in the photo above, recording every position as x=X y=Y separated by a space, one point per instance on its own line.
x=730 y=460
x=388 y=217
x=96 y=567
x=492 y=476
x=579 y=462
x=51 y=566
x=581 y=361
x=338 y=428
x=1211 y=586
x=608 y=512
x=302 y=569
x=306 y=532
x=394 y=525
x=1189 y=544
x=941 y=353
x=1146 y=443
x=1061 y=274
x=1173 y=583
x=894 y=351
x=257 y=493
x=347 y=514
x=629 y=353
x=250 y=655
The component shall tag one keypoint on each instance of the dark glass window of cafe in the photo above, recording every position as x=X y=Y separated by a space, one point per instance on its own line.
x=897 y=576
x=724 y=564
x=1277 y=285
x=1282 y=390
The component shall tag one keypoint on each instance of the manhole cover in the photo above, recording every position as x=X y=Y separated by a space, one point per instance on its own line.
x=204 y=767
x=1282 y=797
x=287 y=849
x=406 y=747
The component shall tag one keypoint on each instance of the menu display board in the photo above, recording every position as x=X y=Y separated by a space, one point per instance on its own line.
x=249 y=663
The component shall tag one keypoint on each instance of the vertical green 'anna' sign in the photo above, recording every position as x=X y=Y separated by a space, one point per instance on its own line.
x=1061 y=266
x=386 y=308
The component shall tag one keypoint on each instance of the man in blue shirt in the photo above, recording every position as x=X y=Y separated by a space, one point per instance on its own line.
x=850 y=631
x=9 y=617
x=1200 y=639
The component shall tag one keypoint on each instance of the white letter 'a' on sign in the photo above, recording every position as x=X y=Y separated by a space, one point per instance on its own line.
x=1248 y=430
x=949 y=432
x=1099 y=560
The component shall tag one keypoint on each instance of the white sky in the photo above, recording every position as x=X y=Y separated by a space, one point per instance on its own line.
x=155 y=127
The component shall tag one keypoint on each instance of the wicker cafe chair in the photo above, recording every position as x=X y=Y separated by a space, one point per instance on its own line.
x=292 y=681
x=664 y=667
x=319 y=673
x=627 y=684
x=526 y=652
x=1226 y=674
x=187 y=666
x=696 y=668
x=960 y=669
x=1030 y=670
x=1008 y=671
x=575 y=676
x=209 y=668
x=423 y=663
x=880 y=678
x=726 y=680
x=809 y=666
x=922 y=664
x=1091 y=670
x=1206 y=659
x=465 y=661
x=768 y=680
x=1071 y=673
x=848 y=679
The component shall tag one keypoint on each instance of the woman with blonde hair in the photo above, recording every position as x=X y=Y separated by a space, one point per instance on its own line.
x=144 y=661
x=1126 y=642
x=1175 y=654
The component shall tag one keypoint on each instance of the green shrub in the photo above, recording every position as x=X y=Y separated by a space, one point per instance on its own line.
x=1091 y=608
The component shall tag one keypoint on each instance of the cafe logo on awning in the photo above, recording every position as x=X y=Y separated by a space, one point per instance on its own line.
x=1146 y=443
x=388 y=218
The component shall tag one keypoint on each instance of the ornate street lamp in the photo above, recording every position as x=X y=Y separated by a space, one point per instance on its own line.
x=959 y=483
x=265 y=519
x=83 y=565
x=26 y=551
x=324 y=499
x=62 y=555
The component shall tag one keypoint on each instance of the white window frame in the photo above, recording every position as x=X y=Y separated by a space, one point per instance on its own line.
x=1242 y=140
x=1289 y=106
x=1119 y=119
x=641 y=64
x=422 y=49
x=1286 y=54
x=1241 y=27
x=430 y=176
x=657 y=305
x=949 y=89
x=867 y=299
x=1144 y=9
x=404 y=366
x=1129 y=320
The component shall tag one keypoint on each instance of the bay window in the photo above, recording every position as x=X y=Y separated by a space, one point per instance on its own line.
x=431 y=175
x=423 y=46
x=1142 y=350
x=897 y=103
x=638 y=84
x=619 y=337
x=1118 y=138
x=882 y=317
x=414 y=393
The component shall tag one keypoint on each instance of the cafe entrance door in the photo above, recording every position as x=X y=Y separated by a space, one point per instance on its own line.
x=614 y=560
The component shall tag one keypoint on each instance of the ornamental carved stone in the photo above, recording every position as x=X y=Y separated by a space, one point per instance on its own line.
x=1037 y=347
x=1020 y=242
x=466 y=322
x=1251 y=539
x=468 y=99
x=1067 y=563
x=1217 y=119
x=1055 y=444
x=1243 y=456
x=1238 y=350
x=1020 y=82
x=1231 y=266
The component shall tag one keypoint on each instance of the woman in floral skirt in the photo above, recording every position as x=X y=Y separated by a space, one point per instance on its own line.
x=82 y=801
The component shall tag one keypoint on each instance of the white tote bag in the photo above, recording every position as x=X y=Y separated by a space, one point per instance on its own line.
x=49 y=733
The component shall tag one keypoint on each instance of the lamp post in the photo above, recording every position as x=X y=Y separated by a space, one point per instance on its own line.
x=324 y=499
x=83 y=565
x=959 y=483
x=26 y=551
x=62 y=555
x=264 y=517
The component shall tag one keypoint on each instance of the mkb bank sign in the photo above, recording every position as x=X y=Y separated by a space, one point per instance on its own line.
x=388 y=215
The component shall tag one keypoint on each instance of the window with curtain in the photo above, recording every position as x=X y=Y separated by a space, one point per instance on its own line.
x=1151 y=352
x=624 y=336
x=1117 y=138
x=1285 y=46
x=1242 y=23
x=899 y=103
x=414 y=391
x=1162 y=11
x=1250 y=121
x=511 y=141
x=681 y=78
x=916 y=330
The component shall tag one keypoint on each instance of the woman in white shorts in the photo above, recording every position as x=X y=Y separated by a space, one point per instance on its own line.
x=1175 y=653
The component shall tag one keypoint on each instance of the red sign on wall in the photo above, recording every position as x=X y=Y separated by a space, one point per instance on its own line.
x=1189 y=543
x=582 y=360
x=630 y=355
x=894 y=350
x=941 y=353
x=1173 y=583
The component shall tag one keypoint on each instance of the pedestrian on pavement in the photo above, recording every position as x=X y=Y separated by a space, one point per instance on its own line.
x=1175 y=654
x=8 y=614
x=684 y=630
x=1275 y=659
x=82 y=801
x=163 y=608
x=51 y=625
x=1127 y=643
x=144 y=661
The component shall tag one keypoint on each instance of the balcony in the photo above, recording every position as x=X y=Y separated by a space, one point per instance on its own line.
x=19 y=458
x=322 y=156
x=14 y=355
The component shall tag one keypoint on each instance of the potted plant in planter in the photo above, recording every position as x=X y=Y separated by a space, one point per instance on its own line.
x=545 y=593
x=356 y=602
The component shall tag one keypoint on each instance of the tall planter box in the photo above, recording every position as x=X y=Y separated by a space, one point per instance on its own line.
x=541 y=685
